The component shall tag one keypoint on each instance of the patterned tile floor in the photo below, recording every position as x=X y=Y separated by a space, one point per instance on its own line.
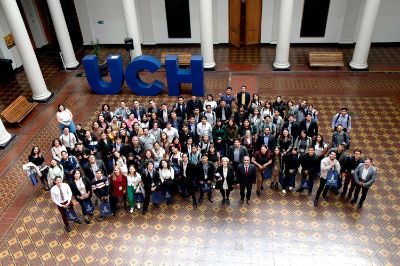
x=276 y=229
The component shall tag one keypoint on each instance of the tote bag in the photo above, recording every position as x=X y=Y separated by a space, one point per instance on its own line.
x=332 y=178
x=71 y=214
x=88 y=206
x=105 y=208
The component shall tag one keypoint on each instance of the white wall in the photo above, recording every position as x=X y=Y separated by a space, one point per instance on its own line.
x=34 y=23
x=8 y=53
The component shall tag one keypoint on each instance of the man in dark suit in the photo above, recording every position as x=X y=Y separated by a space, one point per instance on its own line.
x=151 y=183
x=364 y=176
x=176 y=121
x=205 y=173
x=246 y=177
x=137 y=110
x=267 y=139
x=163 y=115
x=180 y=108
x=243 y=98
x=152 y=107
x=292 y=126
x=187 y=180
x=223 y=111
x=309 y=126
x=192 y=104
x=92 y=166
x=237 y=153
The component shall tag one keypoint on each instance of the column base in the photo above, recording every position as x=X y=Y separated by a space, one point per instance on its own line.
x=274 y=68
x=6 y=144
x=209 y=69
x=362 y=69
x=73 y=67
x=48 y=99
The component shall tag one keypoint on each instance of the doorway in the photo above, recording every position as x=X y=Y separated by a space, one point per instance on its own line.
x=245 y=22
x=71 y=18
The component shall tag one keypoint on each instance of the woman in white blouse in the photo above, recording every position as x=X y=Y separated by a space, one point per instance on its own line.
x=56 y=149
x=120 y=161
x=82 y=190
x=134 y=188
x=210 y=101
x=166 y=173
x=225 y=176
x=159 y=152
x=55 y=169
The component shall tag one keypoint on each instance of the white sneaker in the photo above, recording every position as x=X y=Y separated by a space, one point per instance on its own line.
x=290 y=188
x=138 y=206
x=131 y=210
x=283 y=191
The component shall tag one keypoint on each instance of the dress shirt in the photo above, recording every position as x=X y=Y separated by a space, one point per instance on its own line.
x=61 y=194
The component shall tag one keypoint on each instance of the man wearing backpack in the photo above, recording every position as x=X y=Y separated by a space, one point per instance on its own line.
x=69 y=163
x=343 y=119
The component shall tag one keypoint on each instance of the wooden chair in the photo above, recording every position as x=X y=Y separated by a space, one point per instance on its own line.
x=17 y=110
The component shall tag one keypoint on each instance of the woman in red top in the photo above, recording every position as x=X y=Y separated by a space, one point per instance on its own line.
x=117 y=188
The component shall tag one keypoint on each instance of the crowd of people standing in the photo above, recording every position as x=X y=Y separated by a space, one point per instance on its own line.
x=132 y=155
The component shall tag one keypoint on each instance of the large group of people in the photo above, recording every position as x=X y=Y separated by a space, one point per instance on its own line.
x=132 y=155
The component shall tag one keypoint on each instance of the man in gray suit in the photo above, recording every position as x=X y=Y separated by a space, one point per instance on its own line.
x=364 y=176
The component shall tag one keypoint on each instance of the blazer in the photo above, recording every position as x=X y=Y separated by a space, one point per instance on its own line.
x=210 y=172
x=228 y=112
x=294 y=129
x=239 y=99
x=230 y=177
x=244 y=179
x=312 y=129
x=75 y=190
x=242 y=152
x=123 y=149
x=370 y=178
x=271 y=142
x=190 y=106
x=180 y=113
x=148 y=180
x=88 y=170
x=138 y=114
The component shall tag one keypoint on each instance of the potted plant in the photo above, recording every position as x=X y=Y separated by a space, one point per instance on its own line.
x=97 y=50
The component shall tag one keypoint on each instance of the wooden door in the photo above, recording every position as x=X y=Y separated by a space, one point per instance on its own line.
x=234 y=22
x=253 y=21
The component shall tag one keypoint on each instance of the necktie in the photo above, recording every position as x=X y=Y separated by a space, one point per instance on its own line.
x=247 y=170
x=61 y=195
x=243 y=98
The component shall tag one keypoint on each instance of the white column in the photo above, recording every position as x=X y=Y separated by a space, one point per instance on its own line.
x=132 y=26
x=25 y=49
x=64 y=40
x=206 y=33
x=4 y=135
x=284 y=33
x=364 y=39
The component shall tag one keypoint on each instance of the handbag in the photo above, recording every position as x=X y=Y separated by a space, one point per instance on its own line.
x=88 y=206
x=205 y=187
x=105 y=208
x=71 y=214
x=332 y=178
x=267 y=173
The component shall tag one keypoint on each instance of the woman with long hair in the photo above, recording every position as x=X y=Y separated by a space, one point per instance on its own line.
x=256 y=120
x=248 y=141
x=106 y=113
x=117 y=188
x=261 y=159
x=267 y=110
x=164 y=141
x=134 y=188
x=37 y=158
x=56 y=149
x=167 y=175
x=214 y=156
x=55 y=169
x=231 y=132
x=148 y=156
x=276 y=165
x=82 y=190
x=219 y=136
x=65 y=118
x=302 y=143
x=119 y=161
x=285 y=142
x=103 y=124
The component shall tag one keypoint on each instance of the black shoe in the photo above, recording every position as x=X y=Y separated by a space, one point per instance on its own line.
x=325 y=197
x=276 y=186
x=315 y=203
x=101 y=218
x=309 y=193
x=200 y=200
x=157 y=205
x=349 y=196
x=248 y=202
x=271 y=186
x=300 y=189
x=211 y=200
x=223 y=201
x=144 y=211
x=353 y=201
x=195 y=206
x=78 y=221
x=87 y=221
x=359 y=206
x=241 y=201
x=228 y=202
x=68 y=228
x=342 y=195
x=258 y=193
x=262 y=187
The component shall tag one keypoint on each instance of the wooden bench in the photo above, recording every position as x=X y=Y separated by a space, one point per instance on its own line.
x=326 y=59
x=183 y=57
x=17 y=110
